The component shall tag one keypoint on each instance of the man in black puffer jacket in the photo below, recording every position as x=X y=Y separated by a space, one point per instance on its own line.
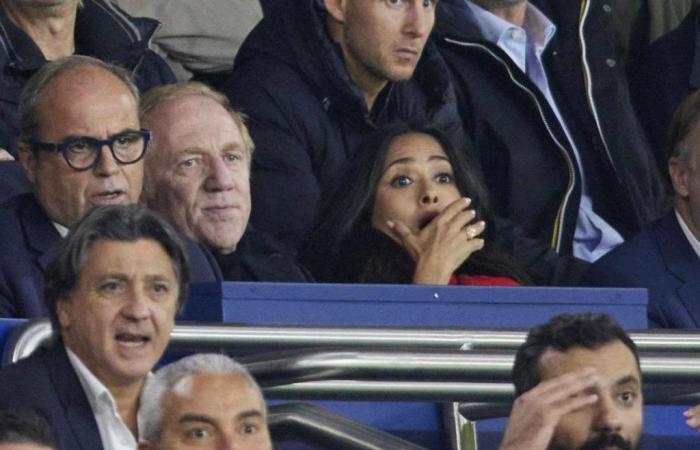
x=312 y=101
x=536 y=157
x=316 y=79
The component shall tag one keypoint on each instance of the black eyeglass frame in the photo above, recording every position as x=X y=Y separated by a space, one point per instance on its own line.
x=62 y=147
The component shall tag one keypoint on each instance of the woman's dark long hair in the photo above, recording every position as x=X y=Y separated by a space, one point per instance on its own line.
x=344 y=247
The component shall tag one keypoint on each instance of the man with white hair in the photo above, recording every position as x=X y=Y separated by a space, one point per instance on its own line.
x=197 y=176
x=204 y=401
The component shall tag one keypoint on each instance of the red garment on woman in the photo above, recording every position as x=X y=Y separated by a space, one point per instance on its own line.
x=482 y=280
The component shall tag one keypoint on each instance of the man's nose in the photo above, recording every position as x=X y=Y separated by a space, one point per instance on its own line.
x=609 y=416
x=106 y=165
x=419 y=19
x=219 y=177
x=136 y=305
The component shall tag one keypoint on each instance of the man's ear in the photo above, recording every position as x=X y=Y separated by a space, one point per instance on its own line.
x=678 y=172
x=28 y=160
x=62 y=314
x=336 y=9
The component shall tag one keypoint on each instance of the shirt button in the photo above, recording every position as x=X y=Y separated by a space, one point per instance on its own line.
x=607 y=8
x=610 y=62
x=516 y=34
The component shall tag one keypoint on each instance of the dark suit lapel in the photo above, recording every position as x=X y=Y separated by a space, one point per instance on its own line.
x=682 y=262
x=78 y=412
x=42 y=236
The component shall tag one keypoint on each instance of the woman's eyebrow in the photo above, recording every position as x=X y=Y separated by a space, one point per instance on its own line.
x=399 y=161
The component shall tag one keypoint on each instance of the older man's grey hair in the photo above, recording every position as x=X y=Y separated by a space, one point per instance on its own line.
x=150 y=417
x=33 y=91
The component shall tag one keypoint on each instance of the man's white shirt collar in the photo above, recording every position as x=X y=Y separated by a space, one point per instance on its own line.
x=537 y=29
x=114 y=433
x=689 y=234
x=63 y=231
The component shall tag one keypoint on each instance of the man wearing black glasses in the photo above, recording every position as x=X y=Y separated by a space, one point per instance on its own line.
x=81 y=146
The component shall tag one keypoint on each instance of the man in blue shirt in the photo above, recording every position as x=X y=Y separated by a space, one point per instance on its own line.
x=542 y=96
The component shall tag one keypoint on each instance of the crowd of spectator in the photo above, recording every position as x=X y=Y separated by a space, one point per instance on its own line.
x=466 y=142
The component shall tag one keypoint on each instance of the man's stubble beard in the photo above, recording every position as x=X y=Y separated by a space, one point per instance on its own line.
x=602 y=441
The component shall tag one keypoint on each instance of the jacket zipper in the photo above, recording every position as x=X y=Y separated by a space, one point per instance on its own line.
x=583 y=15
x=557 y=232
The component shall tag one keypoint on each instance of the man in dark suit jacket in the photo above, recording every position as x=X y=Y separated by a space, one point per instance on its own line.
x=112 y=291
x=197 y=175
x=54 y=384
x=665 y=256
x=73 y=109
x=29 y=245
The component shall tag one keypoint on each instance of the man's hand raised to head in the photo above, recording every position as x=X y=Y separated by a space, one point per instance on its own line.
x=537 y=412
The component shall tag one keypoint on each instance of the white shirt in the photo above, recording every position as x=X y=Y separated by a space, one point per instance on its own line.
x=689 y=234
x=114 y=433
x=593 y=237
x=63 y=231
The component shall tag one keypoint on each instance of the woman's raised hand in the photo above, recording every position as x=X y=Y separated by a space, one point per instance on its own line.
x=444 y=244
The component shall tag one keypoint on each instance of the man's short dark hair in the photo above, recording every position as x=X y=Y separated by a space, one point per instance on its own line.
x=25 y=427
x=117 y=223
x=560 y=333
x=683 y=122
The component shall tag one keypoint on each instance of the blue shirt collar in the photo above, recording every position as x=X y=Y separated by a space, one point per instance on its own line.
x=538 y=28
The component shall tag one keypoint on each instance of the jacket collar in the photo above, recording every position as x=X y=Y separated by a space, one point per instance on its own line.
x=681 y=261
x=70 y=394
x=40 y=232
x=102 y=30
x=678 y=254
x=453 y=18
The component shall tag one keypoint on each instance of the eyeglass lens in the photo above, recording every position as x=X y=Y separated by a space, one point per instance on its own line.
x=126 y=148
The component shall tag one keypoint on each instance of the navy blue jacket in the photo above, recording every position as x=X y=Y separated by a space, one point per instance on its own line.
x=13 y=181
x=259 y=257
x=308 y=118
x=668 y=72
x=26 y=249
x=660 y=259
x=103 y=31
x=46 y=382
x=528 y=164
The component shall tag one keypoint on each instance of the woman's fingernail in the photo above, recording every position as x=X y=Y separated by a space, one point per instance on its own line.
x=390 y=224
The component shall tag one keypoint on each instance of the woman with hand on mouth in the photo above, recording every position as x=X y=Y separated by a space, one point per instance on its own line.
x=409 y=210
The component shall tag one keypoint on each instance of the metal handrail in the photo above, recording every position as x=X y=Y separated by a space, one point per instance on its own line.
x=30 y=335
x=280 y=367
x=322 y=426
x=452 y=376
